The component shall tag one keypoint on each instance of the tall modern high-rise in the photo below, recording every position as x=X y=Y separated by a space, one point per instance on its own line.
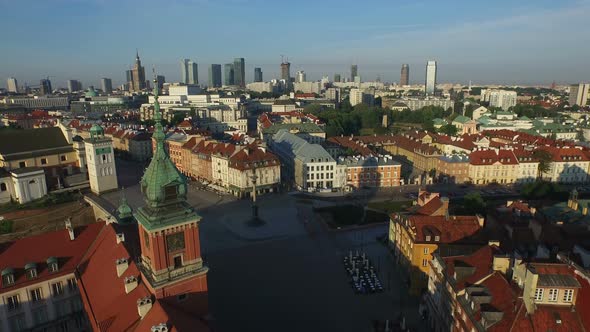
x=257 y=74
x=405 y=75
x=193 y=73
x=107 y=85
x=300 y=76
x=579 y=94
x=74 y=85
x=337 y=78
x=184 y=70
x=430 y=84
x=215 y=76
x=228 y=71
x=354 y=72
x=137 y=75
x=12 y=85
x=45 y=87
x=239 y=72
x=160 y=80
x=129 y=76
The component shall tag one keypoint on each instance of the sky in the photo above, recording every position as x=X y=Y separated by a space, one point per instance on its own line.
x=501 y=41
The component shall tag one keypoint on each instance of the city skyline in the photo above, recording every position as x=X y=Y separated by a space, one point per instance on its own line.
x=486 y=43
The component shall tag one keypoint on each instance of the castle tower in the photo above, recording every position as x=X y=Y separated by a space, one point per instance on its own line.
x=100 y=159
x=172 y=266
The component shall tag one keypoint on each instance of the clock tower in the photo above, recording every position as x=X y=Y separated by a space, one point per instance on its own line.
x=102 y=172
x=168 y=226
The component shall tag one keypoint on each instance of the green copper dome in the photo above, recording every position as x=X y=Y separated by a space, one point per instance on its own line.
x=96 y=131
x=124 y=211
x=91 y=92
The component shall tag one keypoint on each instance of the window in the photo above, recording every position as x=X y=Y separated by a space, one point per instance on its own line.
x=3 y=186
x=63 y=158
x=43 y=161
x=52 y=267
x=437 y=238
x=17 y=322
x=568 y=295
x=539 y=294
x=22 y=164
x=424 y=262
x=553 y=295
x=426 y=251
x=72 y=285
x=8 y=279
x=12 y=302
x=427 y=237
x=182 y=297
x=177 y=262
x=39 y=315
x=146 y=238
x=175 y=242
x=36 y=295
x=57 y=289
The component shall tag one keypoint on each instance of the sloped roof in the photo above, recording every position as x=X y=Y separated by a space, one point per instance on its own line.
x=30 y=140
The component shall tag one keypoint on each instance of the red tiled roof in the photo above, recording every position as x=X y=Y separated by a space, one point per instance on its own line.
x=54 y=244
x=545 y=319
x=431 y=207
x=480 y=260
x=246 y=158
x=451 y=229
x=490 y=157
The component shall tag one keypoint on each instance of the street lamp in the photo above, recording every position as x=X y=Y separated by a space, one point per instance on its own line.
x=254 y=220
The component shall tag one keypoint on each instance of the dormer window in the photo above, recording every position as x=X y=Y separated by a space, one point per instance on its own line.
x=52 y=265
x=170 y=192
x=427 y=238
x=437 y=238
x=7 y=277
x=31 y=271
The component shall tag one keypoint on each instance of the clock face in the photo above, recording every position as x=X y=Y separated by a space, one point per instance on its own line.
x=175 y=242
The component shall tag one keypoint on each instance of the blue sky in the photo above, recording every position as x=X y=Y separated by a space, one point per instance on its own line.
x=513 y=42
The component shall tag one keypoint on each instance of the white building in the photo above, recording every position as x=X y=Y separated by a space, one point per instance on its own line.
x=430 y=77
x=499 y=98
x=183 y=89
x=579 y=94
x=12 y=85
x=356 y=96
x=261 y=87
x=334 y=94
x=102 y=172
x=300 y=77
x=308 y=87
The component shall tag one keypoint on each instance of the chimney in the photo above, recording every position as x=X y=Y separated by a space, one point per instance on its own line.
x=120 y=237
x=143 y=306
x=130 y=284
x=122 y=264
x=445 y=201
x=480 y=220
x=70 y=229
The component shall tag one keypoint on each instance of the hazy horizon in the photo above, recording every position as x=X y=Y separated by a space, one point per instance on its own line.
x=526 y=43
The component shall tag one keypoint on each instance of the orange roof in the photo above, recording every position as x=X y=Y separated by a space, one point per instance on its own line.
x=56 y=244
x=450 y=230
x=490 y=157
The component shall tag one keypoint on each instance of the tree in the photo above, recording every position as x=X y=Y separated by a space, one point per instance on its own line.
x=473 y=203
x=448 y=129
x=544 y=159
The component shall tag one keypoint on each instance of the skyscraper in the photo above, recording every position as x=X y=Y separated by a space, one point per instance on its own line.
x=106 y=84
x=354 y=72
x=430 y=78
x=257 y=74
x=228 y=71
x=12 y=85
x=74 y=85
x=215 y=76
x=337 y=78
x=193 y=73
x=239 y=72
x=579 y=94
x=184 y=70
x=300 y=76
x=160 y=80
x=45 y=86
x=137 y=75
x=405 y=75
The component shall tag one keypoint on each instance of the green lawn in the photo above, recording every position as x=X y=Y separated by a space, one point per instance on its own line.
x=390 y=206
x=49 y=200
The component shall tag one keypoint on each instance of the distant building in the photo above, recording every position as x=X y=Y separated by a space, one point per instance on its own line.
x=215 y=76
x=375 y=172
x=499 y=98
x=286 y=74
x=12 y=85
x=300 y=76
x=579 y=94
x=45 y=87
x=189 y=71
x=160 y=80
x=137 y=76
x=239 y=72
x=258 y=75
x=405 y=75
x=337 y=78
x=353 y=72
x=430 y=86
x=40 y=102
x=102 y=171
x=416 y=104
x=106 y=85
x=228 y=77
x=334 y=94
x=74 y=85
x=358 y=96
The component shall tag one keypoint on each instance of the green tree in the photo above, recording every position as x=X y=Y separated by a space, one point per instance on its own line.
x=448 y=129
x=544 y=159
x=473 y=203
